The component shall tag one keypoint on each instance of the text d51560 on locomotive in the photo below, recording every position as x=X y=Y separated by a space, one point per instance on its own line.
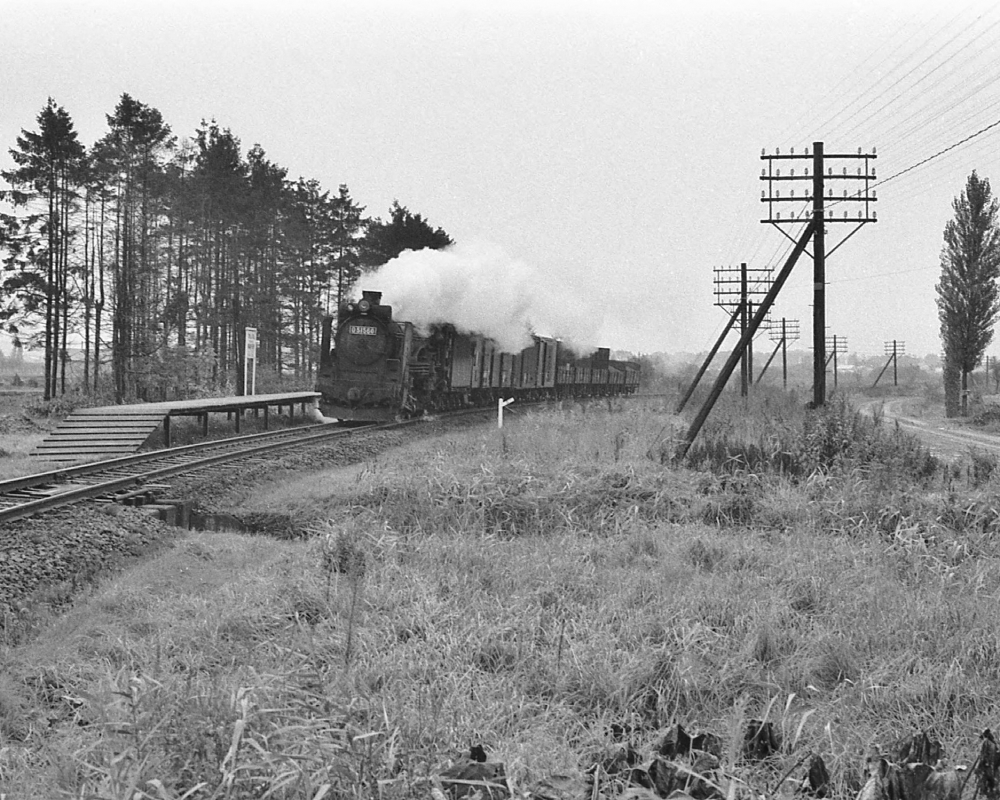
x=373 y=367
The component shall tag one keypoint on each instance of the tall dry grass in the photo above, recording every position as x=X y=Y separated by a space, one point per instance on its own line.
x=554 y=593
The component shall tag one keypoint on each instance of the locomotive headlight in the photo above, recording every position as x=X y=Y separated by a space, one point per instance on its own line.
x=363 y=306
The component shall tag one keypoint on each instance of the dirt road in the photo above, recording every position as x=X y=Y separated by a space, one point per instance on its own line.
x=946 y=439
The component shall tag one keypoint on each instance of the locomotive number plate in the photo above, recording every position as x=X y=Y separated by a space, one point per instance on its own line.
x=364 y=330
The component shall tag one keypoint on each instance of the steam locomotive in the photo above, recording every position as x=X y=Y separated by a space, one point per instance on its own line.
x=373 y=367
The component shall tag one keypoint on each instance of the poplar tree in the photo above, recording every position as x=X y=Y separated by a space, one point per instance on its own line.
x=968 y=299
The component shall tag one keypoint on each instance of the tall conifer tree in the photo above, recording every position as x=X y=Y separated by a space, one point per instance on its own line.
x=50 y=165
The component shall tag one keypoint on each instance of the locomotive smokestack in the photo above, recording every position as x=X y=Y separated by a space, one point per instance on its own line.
x=375 y=298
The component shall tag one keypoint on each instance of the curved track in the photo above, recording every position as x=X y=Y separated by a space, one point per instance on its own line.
x=33 y=494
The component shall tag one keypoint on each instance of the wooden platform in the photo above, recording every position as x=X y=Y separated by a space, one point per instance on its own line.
x=90 y=434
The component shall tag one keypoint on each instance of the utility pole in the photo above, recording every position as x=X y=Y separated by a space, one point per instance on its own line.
x=787 y=332
x=893 y=349
x=734 y=291
x=813 y=230
x=819 y=281
x=755 y=323
x=834 y=345
x=821 y=197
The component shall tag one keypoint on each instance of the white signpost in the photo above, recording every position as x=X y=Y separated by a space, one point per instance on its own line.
x=250 y=362
x=501 y=405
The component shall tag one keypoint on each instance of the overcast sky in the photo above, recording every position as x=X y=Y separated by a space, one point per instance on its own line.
x=610 y=150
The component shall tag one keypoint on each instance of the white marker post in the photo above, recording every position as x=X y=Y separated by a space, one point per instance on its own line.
x=501 y=404
x=250 y=362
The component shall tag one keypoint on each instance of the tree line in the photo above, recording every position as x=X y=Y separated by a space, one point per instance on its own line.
x=151 y=254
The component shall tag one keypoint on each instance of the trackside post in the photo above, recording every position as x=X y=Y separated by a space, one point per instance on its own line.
x=501 y=404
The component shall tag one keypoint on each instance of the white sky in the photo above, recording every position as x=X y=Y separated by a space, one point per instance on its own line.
x=612 y=146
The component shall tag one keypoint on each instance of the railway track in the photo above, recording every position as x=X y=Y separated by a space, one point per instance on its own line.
x=133 y=475
x=33 y=494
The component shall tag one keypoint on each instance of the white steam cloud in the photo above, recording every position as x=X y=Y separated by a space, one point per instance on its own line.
x=479 y=289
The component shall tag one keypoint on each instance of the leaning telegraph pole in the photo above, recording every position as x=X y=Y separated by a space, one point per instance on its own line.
x=814 y=231
x=821 y=199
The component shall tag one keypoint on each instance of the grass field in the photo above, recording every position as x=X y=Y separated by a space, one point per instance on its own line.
x=560 y=594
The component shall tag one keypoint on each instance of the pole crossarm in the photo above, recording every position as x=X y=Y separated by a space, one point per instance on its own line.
x=820 y=179
x=788 y=331
x=734 y=357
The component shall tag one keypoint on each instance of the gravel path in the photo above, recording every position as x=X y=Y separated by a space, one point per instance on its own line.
x=945 y=438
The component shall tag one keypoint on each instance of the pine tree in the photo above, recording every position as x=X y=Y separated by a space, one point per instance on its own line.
x=130 y=157
x=403 y=231
x=349 y=226
x=49 y=172
x=968 y=298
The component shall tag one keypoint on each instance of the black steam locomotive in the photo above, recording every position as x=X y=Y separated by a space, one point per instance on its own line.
x=373 y=367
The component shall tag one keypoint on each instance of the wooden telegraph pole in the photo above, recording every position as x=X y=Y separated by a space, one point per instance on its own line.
x=834 y=345
x=738 y=288
x=787 y=332
x=823 y=213
x=815 y=220
x=893 y=349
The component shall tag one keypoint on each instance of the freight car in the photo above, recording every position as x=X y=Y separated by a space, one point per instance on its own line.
x=373 y=367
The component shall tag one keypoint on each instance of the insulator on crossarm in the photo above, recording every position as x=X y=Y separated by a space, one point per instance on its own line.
x=792 y=152
x=763 y=151
x=859 y=170
x=792 y=173
x=761 y=194
x=777 y=151
x=763 y=172
x=874 y=215
x=873 y=151
x=845 y=170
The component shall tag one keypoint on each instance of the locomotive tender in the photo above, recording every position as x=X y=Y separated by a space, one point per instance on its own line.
x=373 y=367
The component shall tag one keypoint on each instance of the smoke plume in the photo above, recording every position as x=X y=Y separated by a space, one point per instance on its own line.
x=479 y=289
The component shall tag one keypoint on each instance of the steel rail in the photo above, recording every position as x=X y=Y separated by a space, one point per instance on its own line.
x=77 y=470
x=185 y=464
x=182 y=463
